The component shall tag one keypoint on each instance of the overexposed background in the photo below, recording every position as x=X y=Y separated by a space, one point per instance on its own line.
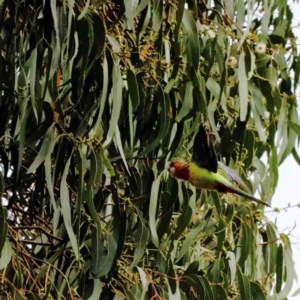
x=288 y=189
x=288 y=220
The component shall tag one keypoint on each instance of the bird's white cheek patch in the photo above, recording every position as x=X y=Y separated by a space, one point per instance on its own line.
x=172 y=171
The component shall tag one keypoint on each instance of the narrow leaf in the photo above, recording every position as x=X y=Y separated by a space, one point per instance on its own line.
x=133 y=89
x=3 y=227
x=5 y=255
x=244 y=285
x=256 y=291
x=192 y=39
x=187 y=102
x=66 y=208
x=116 y=104
x=279 y=268
x=243 y=86
x=154 y=196
x=43 y=151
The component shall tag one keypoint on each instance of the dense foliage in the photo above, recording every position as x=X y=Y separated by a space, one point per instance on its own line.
x=95 y=98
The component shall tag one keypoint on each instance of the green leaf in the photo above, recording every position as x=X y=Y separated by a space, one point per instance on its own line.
x=96 y=251
x=274 y=167
x=6 y=254
x=217 y=270
x=217 y=203
x=114 y=43
x=244 y=285
x=221 y=232
x=66 y=208
x=84 y=10
x=179 y=16
x=154 y=198
x=192 y=39
x=190 y=239
x=258 y=123
x=49 y=181
x=241 y=10
x=249 y=61
x=120 y=147
x=219 y=292
x=133 y=89
x=295 y=127
x=92 y=209
x=164 y=121
x=56 y=47
x=102 y=98
x=232 y=265
x=3 y=227
x=96 y=169
x=145 y=282
x=2 y=184
x=106 y=162
x=116 y=103
x=262 y=59
x=256 y=291
x=290 y=275
x=33 y=69
x=249 y=142
x=296 y=156
x=99 y=41
x=97 y=290
x=144 y=20
x=143 y=237
x=187 y=102
x=243 y=86
x=129 y=12
x=245 y=242
x=43 y=151
x=23 y=125
x=197 y=285
x=172 y=282
x=257 y=96
x=272 y=247
x=208 y=290
x=157 y=12
x=113 y=243
x=167 y=209
x=279 y=268
x=141 y=6
x=183 y=220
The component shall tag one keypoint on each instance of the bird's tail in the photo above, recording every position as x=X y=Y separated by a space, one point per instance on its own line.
x=233 y=190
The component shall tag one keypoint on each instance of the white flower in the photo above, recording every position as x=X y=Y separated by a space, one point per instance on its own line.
x=267 y=115
x=260 y=48
x=201 y=27
x=210 y=34
x=232 y=62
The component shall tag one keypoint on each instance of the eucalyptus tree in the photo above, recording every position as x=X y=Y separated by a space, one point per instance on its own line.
x=95 y=98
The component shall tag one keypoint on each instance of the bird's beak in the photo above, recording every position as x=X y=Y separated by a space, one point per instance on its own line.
x=170 y=169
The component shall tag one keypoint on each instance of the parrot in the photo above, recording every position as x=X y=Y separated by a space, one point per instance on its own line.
x=205 y=172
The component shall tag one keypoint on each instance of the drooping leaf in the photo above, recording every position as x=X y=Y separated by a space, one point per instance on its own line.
x=3 y=227
x=154 y=199
x=243 y=86
x=43 y=151
x=6 y=254
x=66 y=209
x=191 y=38
x=244 y=285
x=133 y=89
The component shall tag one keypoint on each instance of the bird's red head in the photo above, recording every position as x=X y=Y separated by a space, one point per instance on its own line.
x=179 y=168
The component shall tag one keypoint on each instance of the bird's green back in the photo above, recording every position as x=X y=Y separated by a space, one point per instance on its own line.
x=204 y=179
